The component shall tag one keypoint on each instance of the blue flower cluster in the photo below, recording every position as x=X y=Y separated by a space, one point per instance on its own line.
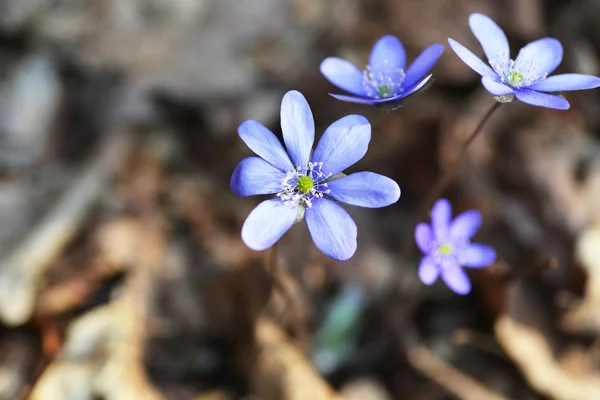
x=308 y=184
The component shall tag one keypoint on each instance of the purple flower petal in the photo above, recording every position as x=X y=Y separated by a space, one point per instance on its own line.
x=566 y=82
x=471 y=59
x=418 y=86
x=539 y=57
x=424 y=237
x=365 y=189
x=253 y=176
x=440 y=217
x=491 y=37
x=541 y=99
x=343 y=143
x=428 y=271
x=494 y=87
x=478 y=256
x=457 y=280
x=332 y=229
x=388 y=52
x=422 y=64
x=267 y=223
x=298 y=127
x=344 y=75
x=465 y=225
x=355 y=99
x=265 y=144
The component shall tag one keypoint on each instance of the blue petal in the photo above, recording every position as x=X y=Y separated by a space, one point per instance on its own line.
x=388 y=52
x=365 y=189
x=355 y=99
x=332 y=229
x=566 y=82
x=494 y=87
x=265 y=144
x=441 y=214
x=343 y=143
x=465 y=225
x=424 y=237
x=471 y=59
x=344 y=75
x=539 y=57
x=423 y=64
x=253 y=176
x=267 y=223
x=541 y=99
x=428 y=270
x=478 y=256
x=491 y=37
x=457 y=280
x=298 y=127
x=418 y=86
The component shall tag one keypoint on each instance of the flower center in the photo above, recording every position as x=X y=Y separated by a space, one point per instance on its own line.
x=445 y=249
x=516 y=73
x=303 y=185
x=384 y=82
x=515 y=78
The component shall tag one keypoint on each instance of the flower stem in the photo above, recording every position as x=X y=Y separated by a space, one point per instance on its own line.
x=448 y=176
x=446 y=179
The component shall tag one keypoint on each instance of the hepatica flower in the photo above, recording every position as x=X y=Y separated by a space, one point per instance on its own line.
x=385 y=81
x=447 y=247
x=306 y=185
x=526 y=77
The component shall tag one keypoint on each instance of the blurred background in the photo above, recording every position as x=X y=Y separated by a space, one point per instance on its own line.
x=122 y=271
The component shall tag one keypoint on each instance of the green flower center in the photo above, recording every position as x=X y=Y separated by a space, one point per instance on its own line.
x=515 y=78
x=384 y=91
x=445 y=249
x=305 y=183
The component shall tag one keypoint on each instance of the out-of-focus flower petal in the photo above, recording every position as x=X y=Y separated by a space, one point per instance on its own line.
x=365 y=189
x=344 y=75
x=494 y=87
x=541 y=99
x=265 y=144
x=253 y=176
x=298 y=127
x=388 y=52
x=465 y=225
x=267 y=223
x=457 y=280
x=491 y=37
x=474 y=62
x=478 y=256
x=343 y=143
x=539 y=57
x=441 y=214
x=422 y=64
x=428 y=270
x=332 y=229
x=566 y=82
x=424 y=237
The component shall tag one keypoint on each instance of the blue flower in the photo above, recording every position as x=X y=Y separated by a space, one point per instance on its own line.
x=525 y=78
x=447 y=247
x=305 y=185
x=384 y=82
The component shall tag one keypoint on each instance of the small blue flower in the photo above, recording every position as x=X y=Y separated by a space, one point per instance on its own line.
x=526 y=77
x=305 y=185
x=447 y=247
x=384 y=82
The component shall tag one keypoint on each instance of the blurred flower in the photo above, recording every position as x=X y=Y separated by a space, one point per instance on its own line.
x=384 y=82
x=303 y=184
x=526 y=77
x=447 y=247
